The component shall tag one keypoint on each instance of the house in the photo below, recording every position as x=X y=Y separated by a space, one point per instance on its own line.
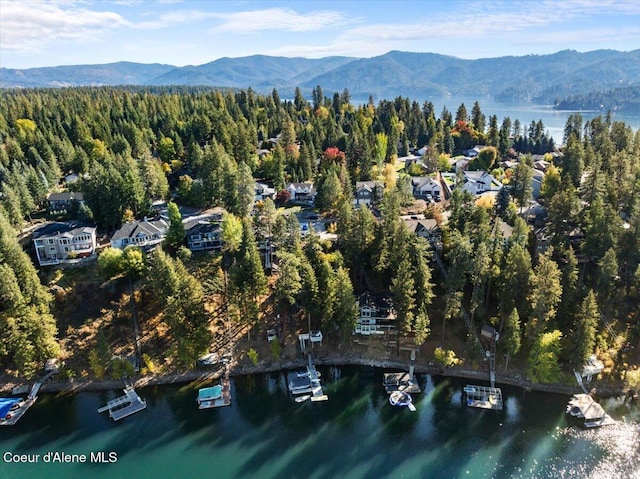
x=376 y=314
x=425 y=186
x=64 y=243
x=458 y=163
x=476 y=182
x=146 y=233
x=505 y=229
x=427 y=229
x=71 y=178
x=301 y=191
x=262 y=192
x=62 y=201
x=204 y=233
x=475 y=151
x=368 y=192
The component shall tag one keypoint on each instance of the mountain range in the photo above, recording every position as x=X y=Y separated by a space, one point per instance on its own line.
x=536 y=78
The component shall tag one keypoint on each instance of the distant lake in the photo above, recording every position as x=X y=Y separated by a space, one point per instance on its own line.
x=356 y=434
x=553 y=120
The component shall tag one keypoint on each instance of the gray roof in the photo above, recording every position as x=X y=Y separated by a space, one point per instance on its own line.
x=62 y=229
x=133 y=229
x=66 y=196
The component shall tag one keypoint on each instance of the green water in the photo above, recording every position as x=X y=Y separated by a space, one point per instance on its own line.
x=356 y=434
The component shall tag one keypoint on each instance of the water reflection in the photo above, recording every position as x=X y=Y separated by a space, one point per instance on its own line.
x=356 y=434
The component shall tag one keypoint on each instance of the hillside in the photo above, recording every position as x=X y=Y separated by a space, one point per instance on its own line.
x=537 y=78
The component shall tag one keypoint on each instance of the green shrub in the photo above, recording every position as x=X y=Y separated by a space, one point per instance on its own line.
x=253 y=356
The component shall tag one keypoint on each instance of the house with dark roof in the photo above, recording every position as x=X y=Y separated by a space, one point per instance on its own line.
x=64 y=243
x=376 y=314
x=368 y=192
x=62 y=201
x=204 y=233
x=145 y=233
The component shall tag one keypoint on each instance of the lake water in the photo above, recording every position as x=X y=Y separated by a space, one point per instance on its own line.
x=553 y=120
x=356 y=434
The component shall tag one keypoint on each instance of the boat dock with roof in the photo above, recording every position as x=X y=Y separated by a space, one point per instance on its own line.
x=215 y=396
x=584 y=407
x=402 y=381
x=124 y=406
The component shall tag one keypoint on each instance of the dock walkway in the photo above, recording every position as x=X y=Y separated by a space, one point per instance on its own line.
x=124 y=406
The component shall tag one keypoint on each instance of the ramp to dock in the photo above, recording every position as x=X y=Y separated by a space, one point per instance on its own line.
x=124 y=406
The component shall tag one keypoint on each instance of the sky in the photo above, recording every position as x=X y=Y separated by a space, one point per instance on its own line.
x=192 y=32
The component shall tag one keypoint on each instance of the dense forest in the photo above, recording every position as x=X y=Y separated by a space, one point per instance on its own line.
x=205 y=148
x=625 y=100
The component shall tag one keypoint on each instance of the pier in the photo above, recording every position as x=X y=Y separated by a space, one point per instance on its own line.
x=13 y=409
x=216 y=396
x=402 y=381
x=124 y=406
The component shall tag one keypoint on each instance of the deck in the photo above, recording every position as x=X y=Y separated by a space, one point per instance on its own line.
x=403 y=382
x=484 y=397
x=124 y=406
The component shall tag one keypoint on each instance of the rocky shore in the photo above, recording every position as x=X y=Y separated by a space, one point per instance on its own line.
x=74 y=386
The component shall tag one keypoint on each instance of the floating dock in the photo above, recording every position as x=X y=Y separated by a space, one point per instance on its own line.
x=12 y=409
x=124 y=406
x=307 y=382
x=586 y=409
x=483 y=397
x=215 y=396
x=403 y=382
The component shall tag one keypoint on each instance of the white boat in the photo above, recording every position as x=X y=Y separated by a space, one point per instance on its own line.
x=302 y=398
x=401 y=399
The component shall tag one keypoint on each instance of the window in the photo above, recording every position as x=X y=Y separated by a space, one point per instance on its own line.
x=366 y=313
x=51 y=241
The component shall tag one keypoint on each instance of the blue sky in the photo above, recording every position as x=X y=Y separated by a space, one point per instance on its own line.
x=191 y=32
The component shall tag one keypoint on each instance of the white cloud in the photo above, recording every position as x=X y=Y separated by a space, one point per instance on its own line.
x=279 y=19
x=27 y=25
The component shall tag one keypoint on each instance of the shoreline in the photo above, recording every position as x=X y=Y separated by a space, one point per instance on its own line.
x=75 y=386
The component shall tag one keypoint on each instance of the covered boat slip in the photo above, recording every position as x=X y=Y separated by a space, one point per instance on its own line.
x=124 y=406
x=402 y=381
x=584 y=407
x=483 y=397
x=215 y=396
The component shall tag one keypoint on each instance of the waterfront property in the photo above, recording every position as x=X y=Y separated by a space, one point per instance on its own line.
x=306 y=382
x=64 y=243
x=204 y=233
x=12 y=409
x=376 y=314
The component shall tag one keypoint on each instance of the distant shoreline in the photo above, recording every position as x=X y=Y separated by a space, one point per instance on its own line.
x=75 y=386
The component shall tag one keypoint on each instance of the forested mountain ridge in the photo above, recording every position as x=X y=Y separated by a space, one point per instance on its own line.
x=539 y=78
x=625 y=100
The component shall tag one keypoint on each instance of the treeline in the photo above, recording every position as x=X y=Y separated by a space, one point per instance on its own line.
x=624 y=100
x=130 y=145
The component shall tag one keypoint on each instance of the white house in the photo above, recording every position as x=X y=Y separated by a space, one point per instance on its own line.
x=476 y=182
x=425 y=185
x=262 y=192
x=301 y=191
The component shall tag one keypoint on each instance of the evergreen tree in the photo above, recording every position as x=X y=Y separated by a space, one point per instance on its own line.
x=175 y=233
x=584 y=338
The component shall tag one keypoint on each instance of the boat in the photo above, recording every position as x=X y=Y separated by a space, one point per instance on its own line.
x=401 y=399
x=303 y=398
x=589 y=413
x=12 y=409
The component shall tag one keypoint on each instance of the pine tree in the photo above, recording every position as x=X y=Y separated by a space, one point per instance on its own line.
x=175 y=234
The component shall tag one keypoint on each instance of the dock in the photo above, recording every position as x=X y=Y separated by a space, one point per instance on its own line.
x=484 y=397
x=307 y=382
x=124 y=406
x=402 y=381
x=586 y=409
x=216 y=396
x=12 y=409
